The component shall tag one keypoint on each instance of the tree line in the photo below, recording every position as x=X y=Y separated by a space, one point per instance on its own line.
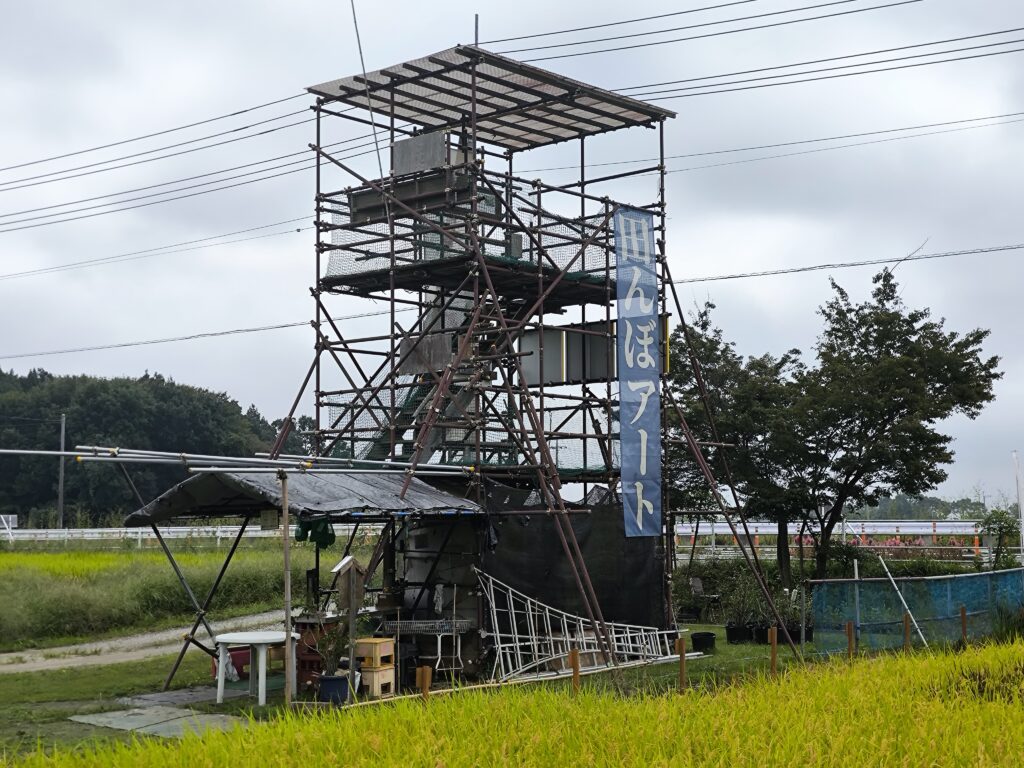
x=151 y=412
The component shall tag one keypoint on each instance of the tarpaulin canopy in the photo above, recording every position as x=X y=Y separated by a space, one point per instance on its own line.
x=310 y=496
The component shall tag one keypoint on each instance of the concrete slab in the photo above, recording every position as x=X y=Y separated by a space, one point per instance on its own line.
x=169 y=722
x=183 y=697
x=195 y=722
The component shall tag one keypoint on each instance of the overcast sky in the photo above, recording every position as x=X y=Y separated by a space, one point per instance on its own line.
x=75 y=75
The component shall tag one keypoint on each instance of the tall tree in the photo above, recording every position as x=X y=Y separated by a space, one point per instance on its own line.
x=861 y=423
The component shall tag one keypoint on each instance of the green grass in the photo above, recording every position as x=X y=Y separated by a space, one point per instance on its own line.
x=910 y=710
x=35 y=706
x=62 y=597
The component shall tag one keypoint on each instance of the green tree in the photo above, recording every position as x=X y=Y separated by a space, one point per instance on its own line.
x=1003 y=526
x=859 y=424
x=149 y=412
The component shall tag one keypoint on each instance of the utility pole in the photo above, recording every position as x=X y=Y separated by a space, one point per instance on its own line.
x=1020 y=510
x=60 y=477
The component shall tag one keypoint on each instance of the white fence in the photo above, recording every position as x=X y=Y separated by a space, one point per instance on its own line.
x=220 y=534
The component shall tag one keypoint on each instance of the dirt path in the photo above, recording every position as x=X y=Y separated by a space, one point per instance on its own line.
x=128 y=648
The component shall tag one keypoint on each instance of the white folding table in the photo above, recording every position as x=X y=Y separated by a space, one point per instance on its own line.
x=260 y=642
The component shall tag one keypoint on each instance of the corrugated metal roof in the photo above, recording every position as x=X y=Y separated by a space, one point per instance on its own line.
x=310 y=495
x=518 y=106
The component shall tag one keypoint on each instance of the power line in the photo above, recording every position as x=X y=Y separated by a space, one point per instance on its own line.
x=680 y=29
x=839 y=146
x=166 y=146
x=181 y=180
x=153 y=202
x=725 y=32
x=194 y=336
x=145 y=255
x=616 y=23
x=713 y=278
x=841 y=74
x=142 y=197
x=797 y=143
x=152 y=135
x=849 y=264
x=12 y=275
x=822 y=61
x=51 y=221
x=150 y=159
x=646 y=94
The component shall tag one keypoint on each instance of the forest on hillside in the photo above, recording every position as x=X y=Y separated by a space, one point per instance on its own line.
x=149 y=412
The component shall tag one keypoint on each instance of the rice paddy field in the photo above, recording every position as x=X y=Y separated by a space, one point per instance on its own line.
x=925 y=709
x=53 y=597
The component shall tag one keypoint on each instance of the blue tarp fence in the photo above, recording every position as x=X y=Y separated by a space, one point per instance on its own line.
x=935 y=602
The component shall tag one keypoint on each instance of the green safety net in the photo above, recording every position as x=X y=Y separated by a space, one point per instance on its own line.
x=990 y=599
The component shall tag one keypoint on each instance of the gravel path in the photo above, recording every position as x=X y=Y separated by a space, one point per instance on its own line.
x=128 y=648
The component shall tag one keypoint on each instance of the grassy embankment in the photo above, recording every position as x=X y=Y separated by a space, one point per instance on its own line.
x=56 y=598
x=918 y=709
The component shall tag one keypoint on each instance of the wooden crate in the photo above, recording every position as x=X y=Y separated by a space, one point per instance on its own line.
x=377 y=682
x=375 y=652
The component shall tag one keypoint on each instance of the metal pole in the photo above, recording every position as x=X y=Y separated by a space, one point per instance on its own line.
x=1020 y=509
x=286 y=542
x=60 y=476
x=856 y=597
x=803 y=617
x=904 y=602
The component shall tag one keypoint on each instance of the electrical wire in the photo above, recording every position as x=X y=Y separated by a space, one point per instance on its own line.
x=830 y=149
x=147 y=196
x=799 y=142
x=153 y=202
x=849 y=264
x=647 y=94
x=194 y=336
x=7 y=184
x=616 y=23
x=152 y=135
x=839 y=75
x=725 y=32
x=186 y=178
x=680 y=29
x=713 y=278
x=24 y=273
x=52 y=221
x=822 y=61
x=104 y=261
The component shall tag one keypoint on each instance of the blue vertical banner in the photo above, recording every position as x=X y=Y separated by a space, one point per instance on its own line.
x=638 y=357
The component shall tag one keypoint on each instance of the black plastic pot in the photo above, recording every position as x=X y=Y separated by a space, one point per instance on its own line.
x=737 y=633
x=703 y=642
x=760 y=633
x=794 y=632
x=332 y=689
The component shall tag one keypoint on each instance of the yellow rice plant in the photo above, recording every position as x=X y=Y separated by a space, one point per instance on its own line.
x=921 y=710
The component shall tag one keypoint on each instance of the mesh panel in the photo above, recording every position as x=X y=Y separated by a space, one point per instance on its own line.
x=366 y=248
x=934 y=602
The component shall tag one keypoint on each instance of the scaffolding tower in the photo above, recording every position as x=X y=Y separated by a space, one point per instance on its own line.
x=498 y=290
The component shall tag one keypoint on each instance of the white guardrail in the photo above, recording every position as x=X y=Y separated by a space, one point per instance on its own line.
x=853 y=527
x=220 y=533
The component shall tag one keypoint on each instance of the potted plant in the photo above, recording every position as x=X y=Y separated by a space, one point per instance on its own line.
x=797 y=608
x=762 y=620
x=739 y=604
x=333 y=681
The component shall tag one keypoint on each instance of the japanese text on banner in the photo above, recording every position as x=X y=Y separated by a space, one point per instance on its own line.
x=638 y=342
